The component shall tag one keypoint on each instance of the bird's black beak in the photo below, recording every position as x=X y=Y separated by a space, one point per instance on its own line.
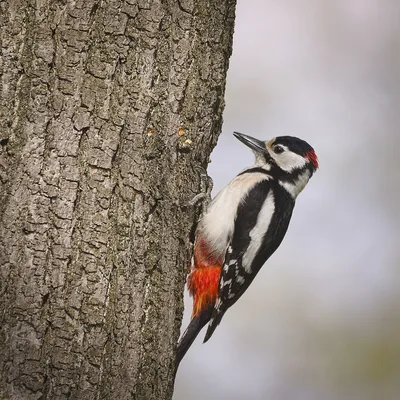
x=253 y=143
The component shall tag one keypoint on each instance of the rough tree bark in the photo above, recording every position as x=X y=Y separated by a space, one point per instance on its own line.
x=107 y=108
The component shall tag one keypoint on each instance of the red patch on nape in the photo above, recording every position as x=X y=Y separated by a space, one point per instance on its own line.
x=312 y=157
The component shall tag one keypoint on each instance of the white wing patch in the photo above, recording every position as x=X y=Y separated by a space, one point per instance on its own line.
x=258 y=232
x=218 y=223
x=224 y=283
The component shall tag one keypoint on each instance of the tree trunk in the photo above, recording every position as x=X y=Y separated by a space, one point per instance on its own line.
x=107 y=108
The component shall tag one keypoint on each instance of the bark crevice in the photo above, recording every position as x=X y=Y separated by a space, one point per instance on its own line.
x=106 y=110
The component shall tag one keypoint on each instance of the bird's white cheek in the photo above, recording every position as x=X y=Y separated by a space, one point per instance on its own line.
x=289 y=161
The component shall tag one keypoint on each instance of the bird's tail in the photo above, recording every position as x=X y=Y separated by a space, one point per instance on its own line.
x=214 y=322
x=195 y=326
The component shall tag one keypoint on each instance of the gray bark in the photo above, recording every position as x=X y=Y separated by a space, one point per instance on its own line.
x=107 y=108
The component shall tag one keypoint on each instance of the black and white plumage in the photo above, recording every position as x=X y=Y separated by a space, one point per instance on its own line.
x=283 y=167
x=244 y=225
x=261 y=222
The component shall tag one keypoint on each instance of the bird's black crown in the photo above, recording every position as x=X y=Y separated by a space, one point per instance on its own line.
x=294 y=144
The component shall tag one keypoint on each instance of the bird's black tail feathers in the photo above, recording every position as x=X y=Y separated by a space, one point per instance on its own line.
x=215 y=320
x=188 y=337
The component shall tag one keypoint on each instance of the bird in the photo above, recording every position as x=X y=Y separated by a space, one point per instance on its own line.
x=242 y=227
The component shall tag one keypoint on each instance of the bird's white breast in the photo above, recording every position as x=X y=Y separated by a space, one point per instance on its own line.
x=217 y=224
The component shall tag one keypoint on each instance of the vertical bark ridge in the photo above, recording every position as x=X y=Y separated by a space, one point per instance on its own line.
x=106 y=109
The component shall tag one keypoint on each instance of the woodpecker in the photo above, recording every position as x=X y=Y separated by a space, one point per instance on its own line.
x=242 y=227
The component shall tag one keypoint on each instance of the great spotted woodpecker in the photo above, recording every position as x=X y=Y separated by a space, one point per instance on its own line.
x=242 y=227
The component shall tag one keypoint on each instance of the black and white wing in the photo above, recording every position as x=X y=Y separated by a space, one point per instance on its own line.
x=261 y=223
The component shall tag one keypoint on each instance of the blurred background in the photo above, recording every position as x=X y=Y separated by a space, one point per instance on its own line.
x=322 y=319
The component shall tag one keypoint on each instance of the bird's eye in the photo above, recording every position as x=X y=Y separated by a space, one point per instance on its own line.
x=278 y=149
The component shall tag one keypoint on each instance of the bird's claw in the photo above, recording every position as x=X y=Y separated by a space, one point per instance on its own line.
x=206 y=186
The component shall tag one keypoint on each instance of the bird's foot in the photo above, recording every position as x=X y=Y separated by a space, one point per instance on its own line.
x=206 y=186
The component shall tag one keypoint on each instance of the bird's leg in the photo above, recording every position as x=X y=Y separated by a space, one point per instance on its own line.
x=206 y=186
x=204 y=197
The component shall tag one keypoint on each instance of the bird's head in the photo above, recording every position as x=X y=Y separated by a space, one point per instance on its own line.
x=290 y=160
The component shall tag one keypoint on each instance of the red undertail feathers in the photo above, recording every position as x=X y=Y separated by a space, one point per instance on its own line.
x=204 y=278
